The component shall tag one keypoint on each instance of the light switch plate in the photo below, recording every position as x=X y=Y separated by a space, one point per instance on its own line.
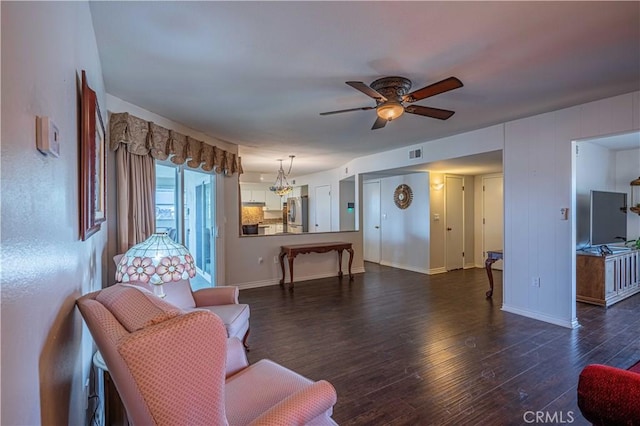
x=564 y=213
x=47 y=136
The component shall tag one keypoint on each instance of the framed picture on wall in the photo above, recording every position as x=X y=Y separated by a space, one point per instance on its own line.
x=92 y=163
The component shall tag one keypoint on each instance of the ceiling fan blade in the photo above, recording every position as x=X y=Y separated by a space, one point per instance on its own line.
x=433 y=89
x=441 y=114
x=347 y=110
x=358 y=85
x=379 y=124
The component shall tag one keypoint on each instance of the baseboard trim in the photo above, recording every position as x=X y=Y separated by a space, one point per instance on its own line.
x=542 y=317
x=405 y=267
x=298 y=279
x=435 y=271
x=256 y=284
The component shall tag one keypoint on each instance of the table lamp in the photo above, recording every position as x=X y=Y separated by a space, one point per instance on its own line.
x=157 y=260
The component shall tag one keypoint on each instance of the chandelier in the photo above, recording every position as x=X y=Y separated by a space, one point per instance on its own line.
x=281 y=185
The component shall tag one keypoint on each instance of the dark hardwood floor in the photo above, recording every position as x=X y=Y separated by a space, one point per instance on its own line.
x=403 y=348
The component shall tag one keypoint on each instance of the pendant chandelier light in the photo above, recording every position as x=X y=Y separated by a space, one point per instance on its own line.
x=281 y=185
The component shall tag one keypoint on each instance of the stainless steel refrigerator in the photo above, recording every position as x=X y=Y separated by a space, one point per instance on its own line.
x=298 y=214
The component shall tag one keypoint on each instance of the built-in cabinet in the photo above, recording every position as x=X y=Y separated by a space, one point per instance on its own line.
x=605 y=280
x=253 y=196
x=260 y=193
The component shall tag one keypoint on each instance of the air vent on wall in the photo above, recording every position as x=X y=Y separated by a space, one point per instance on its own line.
x=415 y=153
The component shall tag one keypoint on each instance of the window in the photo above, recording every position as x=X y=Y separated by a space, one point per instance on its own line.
x=185 y=211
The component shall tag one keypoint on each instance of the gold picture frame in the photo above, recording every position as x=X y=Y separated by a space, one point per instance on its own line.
x=92 y=163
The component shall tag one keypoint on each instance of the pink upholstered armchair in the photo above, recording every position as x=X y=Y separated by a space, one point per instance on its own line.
x=222 y=301
x=173 y=367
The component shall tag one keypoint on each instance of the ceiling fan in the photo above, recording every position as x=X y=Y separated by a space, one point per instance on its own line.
x=390 y=93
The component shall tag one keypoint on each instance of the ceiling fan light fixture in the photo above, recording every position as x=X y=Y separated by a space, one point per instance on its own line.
x=390 y=110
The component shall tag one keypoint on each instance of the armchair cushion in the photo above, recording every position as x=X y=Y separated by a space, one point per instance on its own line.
x=152 y=310
x=235 y=317
x=179 y=294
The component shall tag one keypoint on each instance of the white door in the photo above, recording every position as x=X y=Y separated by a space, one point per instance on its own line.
x=492 y=216
x=323 y=209
x=371 y=221
x=454 y=219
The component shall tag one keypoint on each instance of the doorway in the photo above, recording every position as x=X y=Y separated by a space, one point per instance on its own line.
x=371 y=221
x=492 y=216
x=454 y=222
x=323 y=209
x=185 y=210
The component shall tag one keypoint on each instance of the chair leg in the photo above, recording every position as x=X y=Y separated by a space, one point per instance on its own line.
x=244 y=339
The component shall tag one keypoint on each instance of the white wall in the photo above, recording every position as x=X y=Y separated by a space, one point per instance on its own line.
x=537 y=184
x=437 y=227
x=461 y=145
x=46 y=350
x=404 y=236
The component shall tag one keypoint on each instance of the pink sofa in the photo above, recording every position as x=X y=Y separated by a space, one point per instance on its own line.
x=173 y=367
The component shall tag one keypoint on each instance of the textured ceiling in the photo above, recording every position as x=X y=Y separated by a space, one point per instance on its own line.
x=258 y=74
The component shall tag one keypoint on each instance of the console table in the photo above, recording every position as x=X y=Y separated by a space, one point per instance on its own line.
x=492 y=257
x=291 y=251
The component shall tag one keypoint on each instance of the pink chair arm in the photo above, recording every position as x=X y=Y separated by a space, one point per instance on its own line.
x=301 y=407
x=236 y=357
x=225 y=295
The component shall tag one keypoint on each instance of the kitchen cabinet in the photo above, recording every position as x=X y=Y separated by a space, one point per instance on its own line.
x=273 y=201
x=260 y=193
x=253 y=195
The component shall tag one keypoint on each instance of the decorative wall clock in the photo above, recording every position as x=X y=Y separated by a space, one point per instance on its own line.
x=402 y=196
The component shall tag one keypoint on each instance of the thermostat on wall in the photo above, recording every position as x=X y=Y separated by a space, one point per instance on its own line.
x=47 y=136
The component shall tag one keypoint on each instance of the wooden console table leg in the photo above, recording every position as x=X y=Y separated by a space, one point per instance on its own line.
x=282 y=267
x=487 y=265
x=339 y=263
x=350 y=250
x=291 y=272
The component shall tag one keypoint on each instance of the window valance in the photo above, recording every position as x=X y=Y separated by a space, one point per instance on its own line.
x=141 y=137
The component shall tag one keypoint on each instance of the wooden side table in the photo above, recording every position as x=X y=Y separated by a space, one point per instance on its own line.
x=114 y=411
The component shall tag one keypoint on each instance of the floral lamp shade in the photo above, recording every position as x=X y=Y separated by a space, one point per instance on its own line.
x=157 y=260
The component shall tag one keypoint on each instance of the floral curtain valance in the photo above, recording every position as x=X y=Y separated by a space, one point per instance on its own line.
x=141 y=137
